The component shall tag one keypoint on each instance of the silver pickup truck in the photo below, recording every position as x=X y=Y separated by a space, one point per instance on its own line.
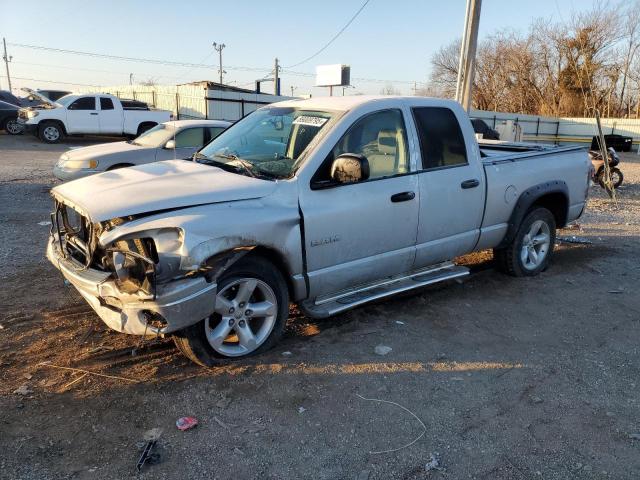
x=329 y=203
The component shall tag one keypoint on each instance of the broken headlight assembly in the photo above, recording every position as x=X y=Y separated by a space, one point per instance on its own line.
x=134 y=264
x=140 y=262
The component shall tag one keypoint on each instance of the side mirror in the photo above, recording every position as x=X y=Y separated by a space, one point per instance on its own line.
x=170 y=145
x=350 y=168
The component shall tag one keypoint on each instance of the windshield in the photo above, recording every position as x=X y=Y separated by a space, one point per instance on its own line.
x=266 y=143
x=155 y=137
x=66 y=100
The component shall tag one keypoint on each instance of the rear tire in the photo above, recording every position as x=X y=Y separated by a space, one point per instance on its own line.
x=12 y=127
x=50 y=132
x=531 y=250
x=221 y=335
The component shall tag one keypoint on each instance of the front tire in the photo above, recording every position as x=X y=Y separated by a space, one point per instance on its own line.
x=12 y=127
x=532 y=247
x=252 y=307
x=50 y=132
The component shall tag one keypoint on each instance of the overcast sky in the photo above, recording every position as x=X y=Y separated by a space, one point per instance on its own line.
x=389 y=40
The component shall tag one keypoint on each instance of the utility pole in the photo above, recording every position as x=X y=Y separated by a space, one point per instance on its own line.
x=131 y=79
x=276 y=78
x=218 y=48
x=467 y=63
x=6 y=59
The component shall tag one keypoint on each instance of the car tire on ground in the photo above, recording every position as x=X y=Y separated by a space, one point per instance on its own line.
x=12 y=127
x=50 y=132
x=252 y=307
x=531 y=250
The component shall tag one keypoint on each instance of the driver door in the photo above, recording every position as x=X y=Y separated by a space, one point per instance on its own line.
x=361 y=232
x=82 y=116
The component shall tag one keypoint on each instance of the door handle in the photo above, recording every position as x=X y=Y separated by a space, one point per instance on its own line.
x=473 y=183
x=93 y=113
x=403 y=197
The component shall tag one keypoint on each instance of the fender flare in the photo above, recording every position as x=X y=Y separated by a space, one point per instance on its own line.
x=528 y=198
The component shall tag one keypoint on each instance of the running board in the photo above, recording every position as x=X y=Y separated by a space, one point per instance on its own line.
x=332 y=305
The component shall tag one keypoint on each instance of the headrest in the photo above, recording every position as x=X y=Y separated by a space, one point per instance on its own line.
x=387 y=142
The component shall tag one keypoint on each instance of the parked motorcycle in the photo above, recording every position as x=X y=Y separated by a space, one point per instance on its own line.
x=598 y=167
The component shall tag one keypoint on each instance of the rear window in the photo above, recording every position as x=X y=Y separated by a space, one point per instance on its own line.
x=441 y=140
x=106 y=104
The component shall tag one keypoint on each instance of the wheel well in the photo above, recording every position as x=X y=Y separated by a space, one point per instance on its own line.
x=146 y=124
x=557 y=203
x=278 y=260
x=57 y=122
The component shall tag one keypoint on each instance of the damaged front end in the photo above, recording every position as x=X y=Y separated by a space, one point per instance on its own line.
x=133 y=282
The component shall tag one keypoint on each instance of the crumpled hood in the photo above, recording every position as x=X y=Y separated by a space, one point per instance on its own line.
x=122 y=150
x=157 y=186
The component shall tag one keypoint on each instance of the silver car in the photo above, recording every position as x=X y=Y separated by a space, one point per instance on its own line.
x=167 y=141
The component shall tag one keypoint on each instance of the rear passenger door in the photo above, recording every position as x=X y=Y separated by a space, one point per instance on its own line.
x=82 y=116
x=452 y=190
x=110 y=118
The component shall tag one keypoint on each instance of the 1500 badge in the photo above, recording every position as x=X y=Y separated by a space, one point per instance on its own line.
x=325 y=241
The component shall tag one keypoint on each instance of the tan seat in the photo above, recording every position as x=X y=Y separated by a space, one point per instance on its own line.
x=387 y=156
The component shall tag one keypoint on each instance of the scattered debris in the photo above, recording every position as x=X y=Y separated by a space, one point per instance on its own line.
x=237 y=451
x=23 y=390
x=28 y=376
x=574 y=239
x=286 y=354
x=424 y=427
x=382 y=350
x=44 y=223
x=457 y=379
x=536 y=399
x=186 y=423
x=65 y=387
x=301 y=409
x=634 y=436
x=616 y=291
x=399 y=322
x=147 y=455
x=433 y=463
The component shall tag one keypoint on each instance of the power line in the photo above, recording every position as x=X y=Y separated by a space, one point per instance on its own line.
x=269 y=70
x=333 y=38
x=135 y=59
x=53 y=81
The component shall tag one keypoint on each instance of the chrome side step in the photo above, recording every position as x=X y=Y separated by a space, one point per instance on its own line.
x=327 y=306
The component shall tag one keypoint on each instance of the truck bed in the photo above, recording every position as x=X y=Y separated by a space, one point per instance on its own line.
x=512 y=168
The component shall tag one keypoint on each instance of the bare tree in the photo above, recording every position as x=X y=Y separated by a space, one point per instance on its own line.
x=389 y=89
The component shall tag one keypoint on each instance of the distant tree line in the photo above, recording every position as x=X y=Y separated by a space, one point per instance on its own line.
x=557 y=68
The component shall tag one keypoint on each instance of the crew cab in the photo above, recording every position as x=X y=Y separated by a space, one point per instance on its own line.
x=328 y=202
x=95 y=114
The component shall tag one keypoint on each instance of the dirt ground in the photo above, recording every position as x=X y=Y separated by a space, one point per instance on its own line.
x=512 y=378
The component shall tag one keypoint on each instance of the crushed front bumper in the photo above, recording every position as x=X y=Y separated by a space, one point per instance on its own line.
x=177 y=304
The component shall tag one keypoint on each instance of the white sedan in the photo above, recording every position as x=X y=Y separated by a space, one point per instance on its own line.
x=167 y=141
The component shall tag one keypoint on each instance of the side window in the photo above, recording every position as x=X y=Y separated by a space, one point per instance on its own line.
x=215 y=131
x=106 y=104
x=382 y=139
x=84 y=103
x=191 y=137
x=441 y=140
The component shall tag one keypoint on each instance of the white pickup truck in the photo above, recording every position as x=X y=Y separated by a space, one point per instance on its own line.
x=328 y=202
x=93 y=114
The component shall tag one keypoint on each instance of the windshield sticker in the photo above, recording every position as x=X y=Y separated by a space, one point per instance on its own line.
x=310 y=121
